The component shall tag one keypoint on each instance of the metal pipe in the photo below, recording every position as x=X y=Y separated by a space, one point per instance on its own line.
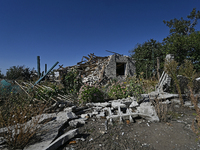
x=46 y=73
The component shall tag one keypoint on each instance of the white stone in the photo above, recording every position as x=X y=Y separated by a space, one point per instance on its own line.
x=102 y=114
x=75 y=122
x=84 y=115
x=69 y=109
x=147 y=111
x=65 y=116
x=165 y=102
x=187 y=104
x=134 y=104
x=116 y=104
x=177 y=101
x=62 y=139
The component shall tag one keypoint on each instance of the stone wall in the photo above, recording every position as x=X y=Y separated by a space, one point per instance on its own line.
x=97 y=69
x=129 y=68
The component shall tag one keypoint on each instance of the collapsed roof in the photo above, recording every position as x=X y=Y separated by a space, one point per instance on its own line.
x=95 y=69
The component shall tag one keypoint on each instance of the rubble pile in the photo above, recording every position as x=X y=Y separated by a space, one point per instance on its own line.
x=56 y=124
x=59 y=127
x=95 y=69
x=91 y=69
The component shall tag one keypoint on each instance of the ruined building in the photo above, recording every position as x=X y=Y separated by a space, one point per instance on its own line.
x=95 y=69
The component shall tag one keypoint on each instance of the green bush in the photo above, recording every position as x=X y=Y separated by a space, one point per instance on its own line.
x=89 y=93
x=72 y=82
x=19 y=73
x=135 y=86
x=117 y=90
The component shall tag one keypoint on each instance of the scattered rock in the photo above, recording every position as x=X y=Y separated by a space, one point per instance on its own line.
x=62 y=139
x=134 y=104
x=115 y=105
x=75 y=123
x=147 y=111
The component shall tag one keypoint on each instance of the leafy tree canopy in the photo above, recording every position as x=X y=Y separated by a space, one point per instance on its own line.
x=184 y=47
x=183 y=41
x=184 y=27
x=19 y=72
x=145 y=55
x=1 y=75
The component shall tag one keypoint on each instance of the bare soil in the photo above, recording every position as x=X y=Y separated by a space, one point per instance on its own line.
x=175 y=134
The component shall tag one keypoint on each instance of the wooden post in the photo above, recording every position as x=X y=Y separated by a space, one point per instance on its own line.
x=158 y=68
x=38 y=66
x=146 y=71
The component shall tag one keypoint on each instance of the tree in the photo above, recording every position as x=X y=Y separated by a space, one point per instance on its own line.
x=183 y=40
x=184 y=47
x=181 y=26
x=145 y=55
x=1 y=75
x=19 y=72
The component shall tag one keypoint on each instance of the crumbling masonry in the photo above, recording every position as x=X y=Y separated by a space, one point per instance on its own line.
x=97 y=69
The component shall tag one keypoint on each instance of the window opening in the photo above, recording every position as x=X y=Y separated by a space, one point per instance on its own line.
x=120 y=68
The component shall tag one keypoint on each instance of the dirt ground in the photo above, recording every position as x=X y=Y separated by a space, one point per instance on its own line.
x=175 y=134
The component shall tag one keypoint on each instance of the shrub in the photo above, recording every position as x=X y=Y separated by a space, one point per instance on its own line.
x=89 y=93
x=1 y=75
x=135 y=86
x=19 y=73
x=72 y=82
x=117 y=90
x=187 y=70
x=171 y=67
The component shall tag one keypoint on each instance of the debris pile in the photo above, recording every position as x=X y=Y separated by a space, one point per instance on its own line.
x=95 y=69
x=64 y=125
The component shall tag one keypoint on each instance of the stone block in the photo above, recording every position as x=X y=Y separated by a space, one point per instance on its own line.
x=62 y=139
x=134 y=104
x=101 y=115
x=115 y=105
x=147 y=111
x=76 y=122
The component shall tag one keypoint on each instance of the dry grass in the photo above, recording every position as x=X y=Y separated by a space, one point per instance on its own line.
x=164 y=111
x=149 y=85
x=171 y=67
x=17 y=119
x=196 y=122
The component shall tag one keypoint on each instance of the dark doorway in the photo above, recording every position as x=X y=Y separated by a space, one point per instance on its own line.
x=120 y=68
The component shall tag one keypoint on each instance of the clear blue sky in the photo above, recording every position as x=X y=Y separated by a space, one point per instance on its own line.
x=66 y=30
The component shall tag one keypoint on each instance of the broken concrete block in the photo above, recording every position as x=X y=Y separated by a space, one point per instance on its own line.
x=101 y=115
x=166 y=102
x=147 y=111
x=71 y=115
x=176 y=101
x=85 y=116
x=134 y=104
x=95 y=112
x=115 y=105
x=120 y=115
x=163 y=95
x=49 y=132
x=97 y=108
x=65 y=116
x=76 y=122
x=46 y=118
x=188 y=104
x=105 y=104
x=70 y=109
x=62 y=139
